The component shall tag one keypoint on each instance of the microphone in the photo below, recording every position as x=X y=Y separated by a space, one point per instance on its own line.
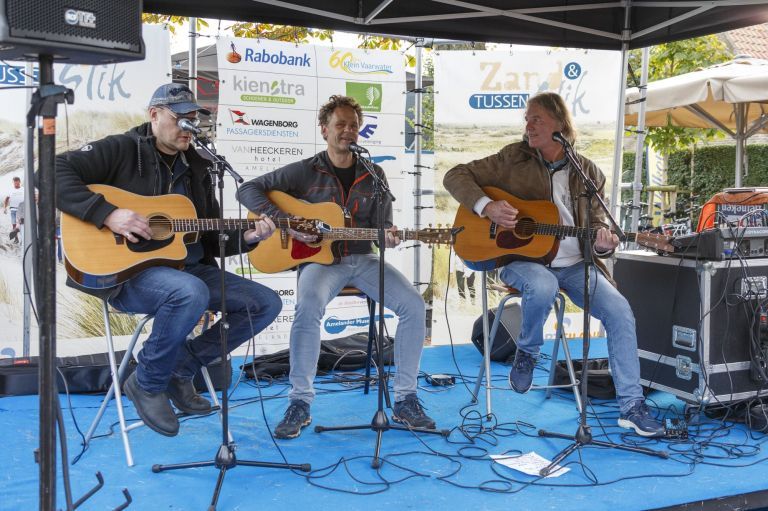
x=186 y=125
x=357 y=149
x=558 y=137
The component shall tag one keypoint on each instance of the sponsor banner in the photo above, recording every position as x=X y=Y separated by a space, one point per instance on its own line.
x=379 y=129
x=108 y=88
x=494 y=87
x=261 y=55
x=374 y=97
x=360 y=65
x=257 y=157
x=253 y=124
x=347 y=316
x=243 y=88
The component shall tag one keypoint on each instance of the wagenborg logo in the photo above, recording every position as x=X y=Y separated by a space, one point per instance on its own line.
x=240 y=117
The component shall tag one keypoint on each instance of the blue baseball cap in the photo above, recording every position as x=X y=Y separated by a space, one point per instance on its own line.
x=178 y=98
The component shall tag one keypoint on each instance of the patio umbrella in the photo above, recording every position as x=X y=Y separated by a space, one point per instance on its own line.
x=732 y=96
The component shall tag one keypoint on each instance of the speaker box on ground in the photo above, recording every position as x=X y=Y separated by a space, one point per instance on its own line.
x=503 y=345
x=73 y=31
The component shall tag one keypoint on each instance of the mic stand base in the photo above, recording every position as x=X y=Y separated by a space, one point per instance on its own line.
x=583 y=438
x=380 y=423
x=225 y=459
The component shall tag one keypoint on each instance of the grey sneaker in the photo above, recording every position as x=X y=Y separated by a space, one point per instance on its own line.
x=410 y=412
x=521 y=374
x=640 y=419
x=296 y=417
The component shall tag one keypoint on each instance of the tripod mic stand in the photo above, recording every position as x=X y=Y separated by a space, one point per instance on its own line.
x=225 y=458
x=583 y=434
x=380 y=422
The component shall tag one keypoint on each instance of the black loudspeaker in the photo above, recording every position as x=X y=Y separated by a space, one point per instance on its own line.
x=73 y=31
x=503 y=345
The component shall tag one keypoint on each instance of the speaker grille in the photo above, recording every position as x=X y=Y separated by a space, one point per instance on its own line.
x=116 y=22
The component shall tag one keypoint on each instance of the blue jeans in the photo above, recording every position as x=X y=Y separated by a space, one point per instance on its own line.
x=319 y=284
x=178 y=299
x=540 y=284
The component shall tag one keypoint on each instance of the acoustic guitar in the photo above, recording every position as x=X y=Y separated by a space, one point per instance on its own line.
x=281 y=252
x=99 y=259
x=484 y=245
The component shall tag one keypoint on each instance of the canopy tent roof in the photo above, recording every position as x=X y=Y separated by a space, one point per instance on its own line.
x=594 y=24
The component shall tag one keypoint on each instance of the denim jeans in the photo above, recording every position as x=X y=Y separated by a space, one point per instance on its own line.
x=178 y=299
x=539 y=285
x=319 y=284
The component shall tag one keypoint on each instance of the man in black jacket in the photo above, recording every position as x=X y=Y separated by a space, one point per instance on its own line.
x=336 y=175
x=156 y=158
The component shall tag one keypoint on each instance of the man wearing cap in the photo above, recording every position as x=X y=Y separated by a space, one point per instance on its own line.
x=157 y=158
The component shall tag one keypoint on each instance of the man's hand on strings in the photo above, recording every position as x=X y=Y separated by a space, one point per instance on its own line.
x=129 y=224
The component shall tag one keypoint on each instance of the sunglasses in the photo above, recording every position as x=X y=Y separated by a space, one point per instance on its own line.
x=193 y=120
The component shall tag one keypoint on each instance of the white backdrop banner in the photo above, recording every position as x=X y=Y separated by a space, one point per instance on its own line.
x=269 y=96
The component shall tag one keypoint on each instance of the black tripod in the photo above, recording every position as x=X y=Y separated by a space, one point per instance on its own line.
x=225 y=457
x=380 y=423
x=583 y=434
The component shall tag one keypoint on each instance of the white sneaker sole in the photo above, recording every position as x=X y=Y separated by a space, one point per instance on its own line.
x=631 y=425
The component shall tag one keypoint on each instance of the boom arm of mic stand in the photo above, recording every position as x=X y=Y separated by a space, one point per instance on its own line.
x=382 y=184
x=592 y=189
x=218 y=160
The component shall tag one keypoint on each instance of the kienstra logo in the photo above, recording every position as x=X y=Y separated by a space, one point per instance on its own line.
x=267 y=91
x=356 y=66
x=368 y=95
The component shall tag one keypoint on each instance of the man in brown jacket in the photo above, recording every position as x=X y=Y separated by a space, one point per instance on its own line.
x=537 y=169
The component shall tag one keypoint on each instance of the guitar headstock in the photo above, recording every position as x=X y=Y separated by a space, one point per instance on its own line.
x=435 y=236
x=658 y=242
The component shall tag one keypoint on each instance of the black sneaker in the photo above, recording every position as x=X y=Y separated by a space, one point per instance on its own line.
x=296 y=417
x=410 y=412
x=521 y=374
x=639 y=418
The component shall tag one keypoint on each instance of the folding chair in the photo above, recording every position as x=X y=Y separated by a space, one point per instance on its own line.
x=485 y=367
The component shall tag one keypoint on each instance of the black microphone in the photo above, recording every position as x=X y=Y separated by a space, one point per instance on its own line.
x=357 y=149
x=186 y=125
x=558 y=137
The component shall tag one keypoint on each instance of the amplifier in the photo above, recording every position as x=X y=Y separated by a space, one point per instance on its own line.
x=75 y=31
x=723 y=243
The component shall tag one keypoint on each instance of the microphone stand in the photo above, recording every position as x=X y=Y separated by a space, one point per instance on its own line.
x=583 y=434
x=380 y=423
x=225 y=458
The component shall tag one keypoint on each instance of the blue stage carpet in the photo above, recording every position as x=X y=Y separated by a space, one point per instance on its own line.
x=420 y=471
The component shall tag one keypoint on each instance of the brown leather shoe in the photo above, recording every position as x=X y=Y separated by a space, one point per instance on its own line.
x=153 y=407
x=185 y=397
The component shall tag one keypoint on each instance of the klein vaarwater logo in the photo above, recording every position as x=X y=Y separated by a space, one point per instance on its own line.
x=367 y=94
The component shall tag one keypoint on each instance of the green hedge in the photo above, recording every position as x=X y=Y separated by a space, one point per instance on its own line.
x=714 y=169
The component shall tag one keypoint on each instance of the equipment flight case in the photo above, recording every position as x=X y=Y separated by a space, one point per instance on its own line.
x=698 y=324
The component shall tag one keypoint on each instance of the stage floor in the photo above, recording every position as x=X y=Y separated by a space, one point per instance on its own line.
x=419 y=472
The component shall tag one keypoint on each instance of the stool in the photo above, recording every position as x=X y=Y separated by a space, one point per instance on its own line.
x=116 y=387
x=353 y=291
x=485 y=368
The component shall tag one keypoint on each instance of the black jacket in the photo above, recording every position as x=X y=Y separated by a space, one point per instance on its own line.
x=130 y=161
x=314 y=180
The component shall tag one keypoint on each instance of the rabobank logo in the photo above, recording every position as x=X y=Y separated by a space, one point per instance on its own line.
x=348 y=63
x=334 y=325
x=282 y=91
x=368 y=95
x=243 y=124
x=280 y=58
x=506 y=101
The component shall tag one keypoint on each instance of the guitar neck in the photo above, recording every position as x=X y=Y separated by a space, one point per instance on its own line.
x=366 y=233
x=216 y=224
x=573 y=231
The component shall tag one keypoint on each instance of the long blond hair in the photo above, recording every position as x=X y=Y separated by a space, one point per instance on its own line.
x=553 y=103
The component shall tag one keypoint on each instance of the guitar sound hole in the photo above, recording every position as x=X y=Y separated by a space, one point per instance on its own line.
x=518 y=237
x=161 y=226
